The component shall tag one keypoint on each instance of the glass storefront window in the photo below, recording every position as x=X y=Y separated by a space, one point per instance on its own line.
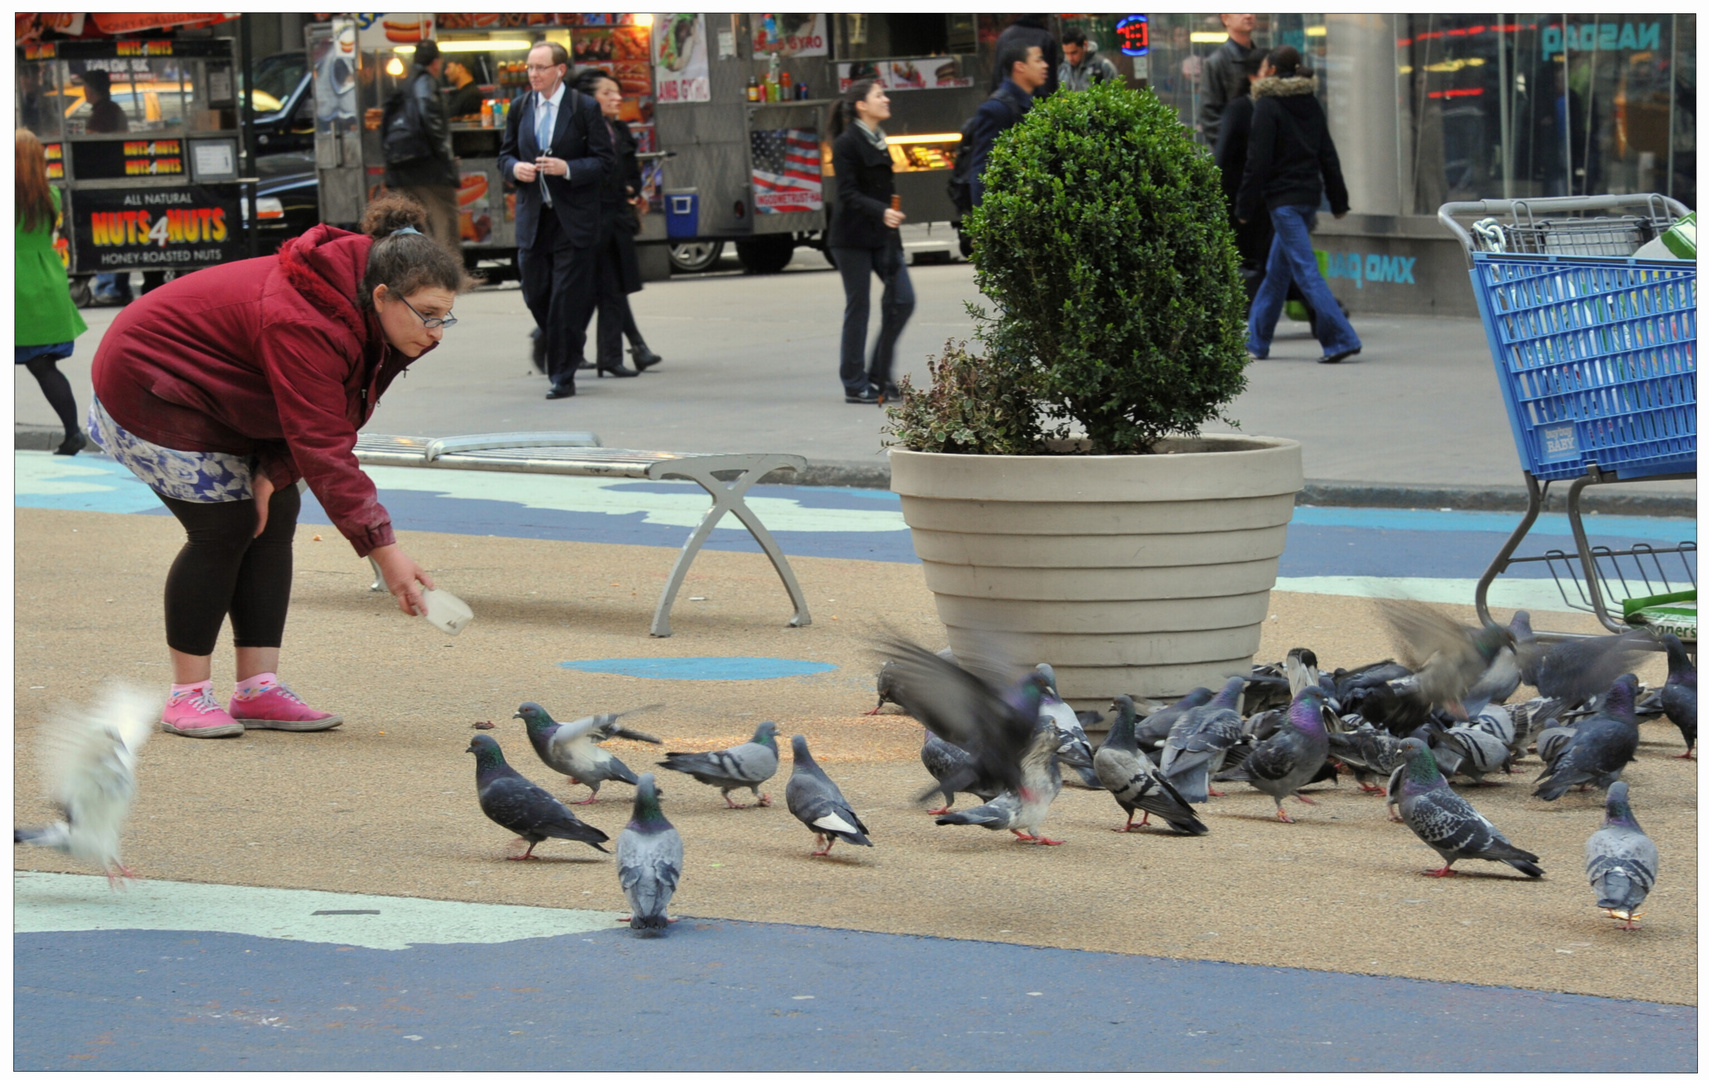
x=1516 y=106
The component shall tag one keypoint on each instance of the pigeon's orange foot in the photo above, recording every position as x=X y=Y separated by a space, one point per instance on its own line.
x=1446 y=871
x=1282 y=815
x=939 y=812
x=1046 y=842
x=1302 y=798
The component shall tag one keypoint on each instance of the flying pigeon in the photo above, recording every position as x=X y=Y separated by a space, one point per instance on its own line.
x=1199 y=741
x=966 y=707
x=1443 y=819
x=748 y=765
x=1447 y=657
x=649 y=859
x=1620 y=860
x=1022 y=809
x=1130 y=776
x=1152 y=731
x=1678 y=695
x=573 y=749
x=818 y=804
x=520 y=805
x=90 y=761
x=1290 y=759
x=1600 y=746
x=1074 y=749
x=945 y=760
x=1578 y=668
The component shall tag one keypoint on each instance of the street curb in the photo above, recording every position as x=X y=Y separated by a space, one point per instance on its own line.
x=868 y=474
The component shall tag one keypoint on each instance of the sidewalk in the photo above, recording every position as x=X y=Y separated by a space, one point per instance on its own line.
x=1416 y=420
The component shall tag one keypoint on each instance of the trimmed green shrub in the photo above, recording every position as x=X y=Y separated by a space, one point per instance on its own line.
x=1103 y=240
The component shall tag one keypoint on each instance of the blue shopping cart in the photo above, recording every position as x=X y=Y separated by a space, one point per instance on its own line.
x=1596 y=355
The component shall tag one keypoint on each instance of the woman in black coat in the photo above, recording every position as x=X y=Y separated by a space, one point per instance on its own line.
x=620 y=267
x=864 y=241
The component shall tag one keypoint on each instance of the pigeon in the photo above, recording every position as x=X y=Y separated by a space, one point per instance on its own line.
x=817 y=803
x=649 y=859
x=1367 y=751
x=1199 y=740
x=1600 y=746
x=1073 y=748
x=573 y=749
x=886 y=687
x=1620 y=860
x=1552 y=739
x=1447 y=657
x=1678 y=695
x=1152 y=731
x=1022 y=809
x=90 y=761
x=1291 y=758
x=966 y=707
x=748 y=765
x=1443 y=819
x=520 y=805
x=944 y=760
x=1578 y=668
x=1474 y=751
x=1130 y=776
x=1504 y=676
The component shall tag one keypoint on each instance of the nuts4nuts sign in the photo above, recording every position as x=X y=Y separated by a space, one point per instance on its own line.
x=157 y=228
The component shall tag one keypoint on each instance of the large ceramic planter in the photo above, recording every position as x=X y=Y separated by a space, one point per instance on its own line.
x=1144 y=574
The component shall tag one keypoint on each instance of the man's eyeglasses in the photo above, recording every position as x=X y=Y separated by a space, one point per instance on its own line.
x=543 y=68
x=434 y=323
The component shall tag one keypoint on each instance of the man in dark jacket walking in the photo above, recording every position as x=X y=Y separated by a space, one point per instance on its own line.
x=1024 y=69
x=1223 y=77
x=1290 y=162
x=430 y=181
x=1030 y=30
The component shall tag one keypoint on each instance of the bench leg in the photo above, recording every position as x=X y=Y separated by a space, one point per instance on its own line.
x=726 y=497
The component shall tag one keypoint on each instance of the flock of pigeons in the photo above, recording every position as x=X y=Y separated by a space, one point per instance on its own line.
x=1439 y=715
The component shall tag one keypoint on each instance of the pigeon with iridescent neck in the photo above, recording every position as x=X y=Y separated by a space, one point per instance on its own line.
x=1443 y=819
x=1200 y=740
x=1291 y=758
x=573 y=748
x=1152 y=731
x=649 y=860
x=1620 y=860
x=1022 y=809
x=517 y=803
x=1678 y=696
x=1447 y=657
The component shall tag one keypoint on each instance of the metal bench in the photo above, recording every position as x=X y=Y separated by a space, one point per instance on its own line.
x=726 y=477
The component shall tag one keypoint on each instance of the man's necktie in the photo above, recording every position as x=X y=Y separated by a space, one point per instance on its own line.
x=544 y=136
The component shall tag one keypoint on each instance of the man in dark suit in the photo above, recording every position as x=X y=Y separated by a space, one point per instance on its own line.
x=557 y=169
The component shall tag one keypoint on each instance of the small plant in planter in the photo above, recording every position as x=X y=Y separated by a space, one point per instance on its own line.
x=1103 y=239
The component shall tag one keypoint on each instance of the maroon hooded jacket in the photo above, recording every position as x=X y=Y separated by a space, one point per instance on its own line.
x=269 y=357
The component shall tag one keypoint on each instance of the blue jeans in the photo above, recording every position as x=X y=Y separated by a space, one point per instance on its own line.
x=1291 y=260
x=857 y=265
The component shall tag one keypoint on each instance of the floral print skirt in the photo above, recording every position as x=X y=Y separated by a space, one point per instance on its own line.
x=187 y=475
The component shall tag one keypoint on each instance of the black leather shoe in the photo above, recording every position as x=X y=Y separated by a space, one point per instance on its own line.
x=892 y=394
x=585 y=365
x=644 y=357
x=1336 y=358
x=566 y=390
x=618 y=372
x=73 y=443
x=869 y=396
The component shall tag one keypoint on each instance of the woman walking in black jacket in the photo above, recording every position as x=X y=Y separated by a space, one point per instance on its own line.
x=1290 y=159
x=620 y=265
x=865 y=241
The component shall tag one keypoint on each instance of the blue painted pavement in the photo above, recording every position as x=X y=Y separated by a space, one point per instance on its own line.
x=718 y=995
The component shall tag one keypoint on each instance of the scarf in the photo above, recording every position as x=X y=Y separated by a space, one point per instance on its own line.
x=875 y=136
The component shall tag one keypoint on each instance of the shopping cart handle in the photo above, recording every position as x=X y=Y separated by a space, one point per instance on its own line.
x=1557 y=205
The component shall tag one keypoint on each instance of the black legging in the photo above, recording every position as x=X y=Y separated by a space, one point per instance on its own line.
x=224 y=567
x=57 y=389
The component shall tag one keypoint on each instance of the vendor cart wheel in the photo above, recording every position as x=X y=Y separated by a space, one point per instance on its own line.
x=83 y=291
x=766 y=254
x=697 y=257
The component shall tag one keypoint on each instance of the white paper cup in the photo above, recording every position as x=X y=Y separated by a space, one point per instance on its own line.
x=446 y=611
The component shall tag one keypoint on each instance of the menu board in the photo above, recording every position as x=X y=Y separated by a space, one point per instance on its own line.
x=680 y=69
x=926 y=73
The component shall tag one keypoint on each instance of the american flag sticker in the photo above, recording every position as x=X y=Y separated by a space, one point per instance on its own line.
x=786 y=171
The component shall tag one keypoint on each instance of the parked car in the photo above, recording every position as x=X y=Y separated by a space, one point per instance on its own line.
x=284 y=105
x=287 y=201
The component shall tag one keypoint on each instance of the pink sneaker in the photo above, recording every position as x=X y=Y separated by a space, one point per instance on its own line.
x=198 y=716
x=280 y=710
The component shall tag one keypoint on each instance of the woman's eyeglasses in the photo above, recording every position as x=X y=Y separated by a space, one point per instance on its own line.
x=434 y=323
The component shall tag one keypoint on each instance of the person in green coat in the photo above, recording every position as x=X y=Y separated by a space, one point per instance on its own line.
x=47 y=321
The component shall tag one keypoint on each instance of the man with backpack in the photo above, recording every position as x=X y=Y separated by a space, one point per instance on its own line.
x=1025 y=69
x=417 y=145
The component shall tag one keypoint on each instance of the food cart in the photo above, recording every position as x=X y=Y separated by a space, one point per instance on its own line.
x=142 y=139
x=717 y=167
